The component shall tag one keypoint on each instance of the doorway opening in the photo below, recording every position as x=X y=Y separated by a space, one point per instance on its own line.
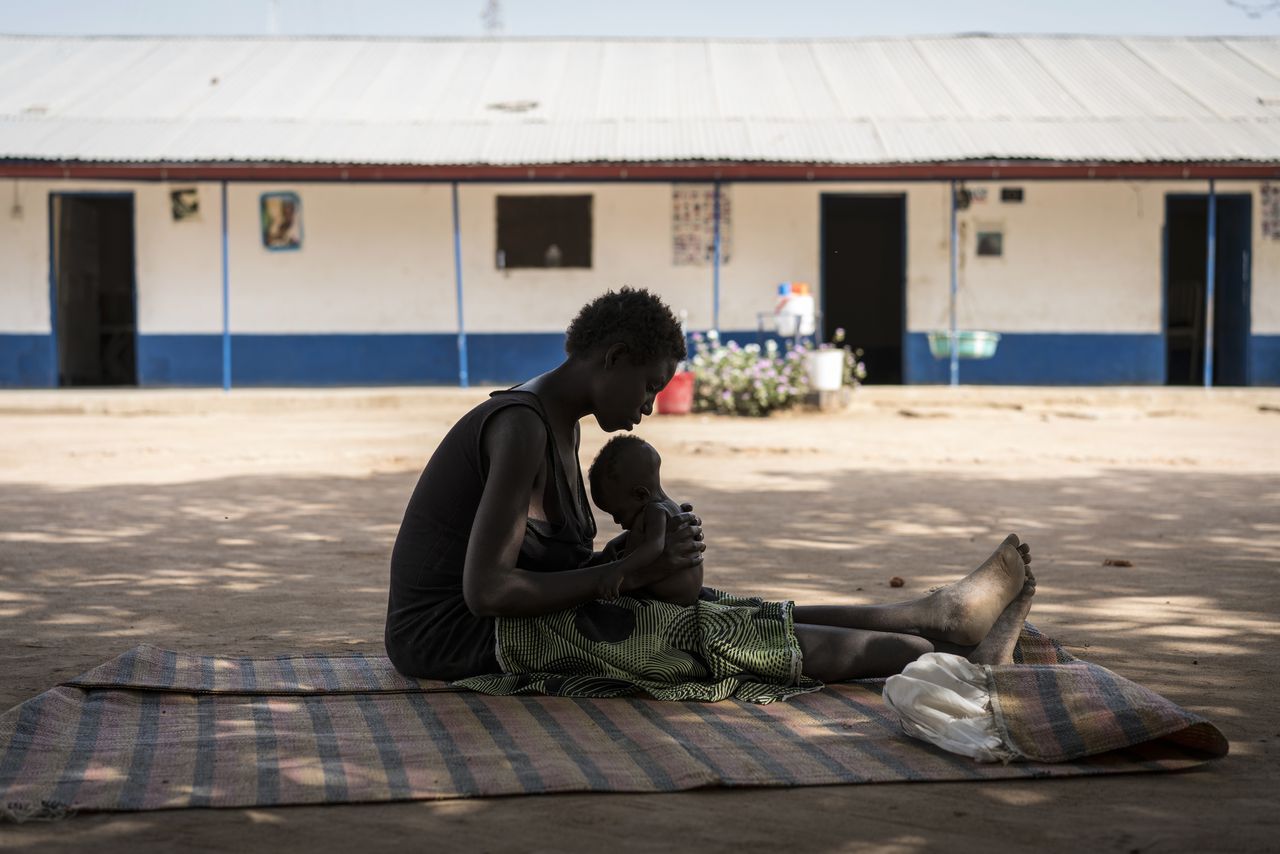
x=94 y=305
x=864 y=278
x=1186 y=228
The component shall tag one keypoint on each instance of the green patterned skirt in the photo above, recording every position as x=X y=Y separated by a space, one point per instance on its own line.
x=722 y=646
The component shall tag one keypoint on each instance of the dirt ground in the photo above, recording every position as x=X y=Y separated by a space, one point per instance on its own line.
x=262 y=521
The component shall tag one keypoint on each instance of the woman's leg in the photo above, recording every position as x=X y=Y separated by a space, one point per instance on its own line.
x=961 y=613
x=834 y=654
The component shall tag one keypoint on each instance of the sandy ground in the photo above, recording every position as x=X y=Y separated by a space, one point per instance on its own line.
x=261 y=521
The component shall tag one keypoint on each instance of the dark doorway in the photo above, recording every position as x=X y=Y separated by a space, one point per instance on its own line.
x=1186 y=229
x=94 y=310
x=863 y=276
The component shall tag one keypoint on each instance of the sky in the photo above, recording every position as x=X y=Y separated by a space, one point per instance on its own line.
x=675 y=18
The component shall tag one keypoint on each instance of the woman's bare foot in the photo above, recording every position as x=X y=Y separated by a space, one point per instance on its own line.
x=964 y=612
x=997 y=646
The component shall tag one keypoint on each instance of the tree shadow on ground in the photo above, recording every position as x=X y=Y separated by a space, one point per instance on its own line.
x=260 y=565
x=266 y=564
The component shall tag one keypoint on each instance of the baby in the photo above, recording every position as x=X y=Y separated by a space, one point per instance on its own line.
x=625 y=484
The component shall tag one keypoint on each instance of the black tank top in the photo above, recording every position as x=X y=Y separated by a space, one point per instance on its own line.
x=430 y=632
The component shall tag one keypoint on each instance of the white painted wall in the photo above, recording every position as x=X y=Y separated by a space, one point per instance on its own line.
x=375 y=258
x=24 y=258
x=177 y=265
x=631 y=245
x=776 y=235
x=179 y=284
x=1079 y=256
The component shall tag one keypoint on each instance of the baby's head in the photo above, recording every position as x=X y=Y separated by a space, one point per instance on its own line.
x=624 y=478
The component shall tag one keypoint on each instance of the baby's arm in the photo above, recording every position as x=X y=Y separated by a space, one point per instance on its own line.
x=644 y=545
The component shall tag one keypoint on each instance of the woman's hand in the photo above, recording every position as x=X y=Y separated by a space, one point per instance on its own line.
x=690 y=522
x=682 y=550
x=682 y=585
x=697 y=521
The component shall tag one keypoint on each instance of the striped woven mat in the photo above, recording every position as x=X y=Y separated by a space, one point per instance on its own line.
x=156 y=729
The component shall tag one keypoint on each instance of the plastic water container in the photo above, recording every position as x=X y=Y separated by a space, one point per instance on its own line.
x=795 y=313
x=677 y=397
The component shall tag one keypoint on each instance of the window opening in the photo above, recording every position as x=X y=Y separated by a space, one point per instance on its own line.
x=544 y=231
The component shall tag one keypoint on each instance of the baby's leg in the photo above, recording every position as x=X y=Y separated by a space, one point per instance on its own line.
x=680 y=588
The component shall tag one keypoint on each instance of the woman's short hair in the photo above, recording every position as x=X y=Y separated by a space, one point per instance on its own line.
x=630 y=316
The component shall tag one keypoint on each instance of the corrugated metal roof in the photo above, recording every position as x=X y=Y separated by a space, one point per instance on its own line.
x=533 y=102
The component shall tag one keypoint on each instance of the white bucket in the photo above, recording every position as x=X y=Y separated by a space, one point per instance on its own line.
x=826 y=369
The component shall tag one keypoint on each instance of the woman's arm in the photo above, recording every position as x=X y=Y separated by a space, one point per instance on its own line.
x=514 y=441
x=611 y=551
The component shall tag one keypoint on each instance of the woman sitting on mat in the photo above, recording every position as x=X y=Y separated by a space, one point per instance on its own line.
x=494 y=583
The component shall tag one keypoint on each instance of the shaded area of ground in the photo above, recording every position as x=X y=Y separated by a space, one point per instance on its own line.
x=257 y=532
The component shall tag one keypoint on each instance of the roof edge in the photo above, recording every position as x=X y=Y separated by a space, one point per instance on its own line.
x=670 y=171
x=322 y=37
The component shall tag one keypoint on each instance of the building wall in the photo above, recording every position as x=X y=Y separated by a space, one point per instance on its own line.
x=176 y=271
x=1076 y=295
x=370 y=298
x=26 y=357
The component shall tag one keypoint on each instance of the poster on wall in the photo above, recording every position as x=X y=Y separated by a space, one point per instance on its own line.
x=1271 y=211
x=184 y=204
x=693 y=226
x=990 y=241
x=281 y=221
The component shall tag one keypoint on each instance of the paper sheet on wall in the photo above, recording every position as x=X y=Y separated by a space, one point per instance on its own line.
x=693 y=226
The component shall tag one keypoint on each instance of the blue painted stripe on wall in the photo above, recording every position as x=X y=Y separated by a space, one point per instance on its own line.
x=318 y=360
x=1264 y=360
x=179 y=360
x=306 y=360
x=503 y=358
x=343 y=359
x=1048 y=359
x=27 y=361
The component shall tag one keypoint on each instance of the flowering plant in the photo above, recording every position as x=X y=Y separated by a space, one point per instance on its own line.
x=855 y=371
x=746 y=380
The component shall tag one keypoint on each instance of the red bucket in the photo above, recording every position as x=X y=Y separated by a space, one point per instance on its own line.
x=677 y=397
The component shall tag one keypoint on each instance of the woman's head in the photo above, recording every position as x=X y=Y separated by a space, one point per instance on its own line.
x=632 y=343
x=630 y=316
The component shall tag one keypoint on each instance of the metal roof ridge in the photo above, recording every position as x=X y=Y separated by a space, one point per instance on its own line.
x=631 y=120
x=328 y=37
